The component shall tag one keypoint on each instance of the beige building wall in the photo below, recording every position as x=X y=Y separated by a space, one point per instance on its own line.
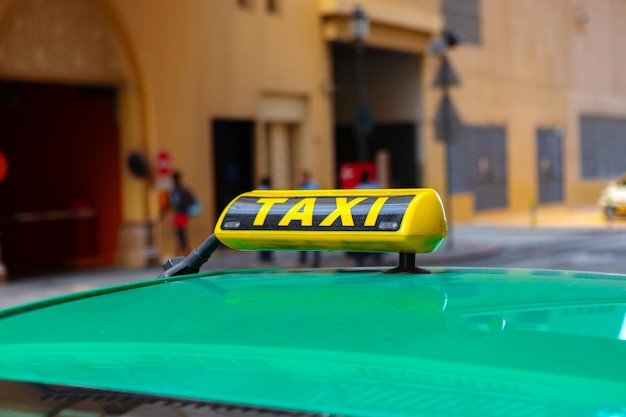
x=183 y=64
x=597 y=81
x=539 y=65
x=180 y=65
x=204 y=60
x=513 y=79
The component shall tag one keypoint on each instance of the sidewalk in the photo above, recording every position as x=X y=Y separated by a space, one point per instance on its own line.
x=485 y=237
x=29 y=289
x=552 y=217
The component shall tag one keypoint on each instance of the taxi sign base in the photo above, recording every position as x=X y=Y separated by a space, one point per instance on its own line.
x=407 y=265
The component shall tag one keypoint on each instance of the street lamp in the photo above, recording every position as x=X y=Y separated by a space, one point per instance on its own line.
x=359 y=31
x=448 y=124
x=359 y=24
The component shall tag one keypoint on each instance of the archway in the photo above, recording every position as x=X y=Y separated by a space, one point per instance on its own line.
x=70 y=110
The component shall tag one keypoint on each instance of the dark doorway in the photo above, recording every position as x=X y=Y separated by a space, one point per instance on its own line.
x=485 y=151
x=60 y=206
x=550 y=165
x=397 y=138
x=232 y=150
x=386 y=105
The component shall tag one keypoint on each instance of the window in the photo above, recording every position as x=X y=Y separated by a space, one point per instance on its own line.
x=478 y=165
x=463 y=15
x=602 y=147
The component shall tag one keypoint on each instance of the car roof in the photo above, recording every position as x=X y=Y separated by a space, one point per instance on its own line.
x=355 y=341
x=294 y=339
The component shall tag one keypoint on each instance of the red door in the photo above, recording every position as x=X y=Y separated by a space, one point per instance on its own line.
x=60 y=202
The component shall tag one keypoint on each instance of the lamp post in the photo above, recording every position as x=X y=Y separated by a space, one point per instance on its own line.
x=359 y=31
x=448 y=124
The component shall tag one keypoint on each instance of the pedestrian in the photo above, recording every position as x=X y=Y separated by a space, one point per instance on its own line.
x=265 y=256
x=367 y=183
x=360 y=258
x=181 y=199
x=308 y=183
x=266 y=184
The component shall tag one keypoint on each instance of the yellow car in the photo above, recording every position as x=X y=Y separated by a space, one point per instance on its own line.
x=612 y=201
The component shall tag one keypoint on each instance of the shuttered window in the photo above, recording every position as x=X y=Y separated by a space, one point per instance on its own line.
x=463 y=15
x=478 y=165
x=602 y=147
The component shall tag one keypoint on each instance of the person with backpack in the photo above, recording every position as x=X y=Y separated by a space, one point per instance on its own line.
x=181 y=200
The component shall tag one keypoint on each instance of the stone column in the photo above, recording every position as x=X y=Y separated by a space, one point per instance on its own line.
x=280 y=156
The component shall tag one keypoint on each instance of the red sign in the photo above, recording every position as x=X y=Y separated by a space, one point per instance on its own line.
x=350 y=173
x=164 y=163
x=4 y=167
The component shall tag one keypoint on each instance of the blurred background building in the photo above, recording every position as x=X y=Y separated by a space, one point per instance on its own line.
x=101 y=99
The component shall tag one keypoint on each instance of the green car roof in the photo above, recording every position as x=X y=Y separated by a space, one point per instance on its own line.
x=344 y=342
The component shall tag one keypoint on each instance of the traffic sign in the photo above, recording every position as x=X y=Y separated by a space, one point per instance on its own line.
x=350 y=173
x=448 y=124
x=164 y=163
x=446 y=76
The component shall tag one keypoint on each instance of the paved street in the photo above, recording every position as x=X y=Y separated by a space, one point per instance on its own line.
x=559 y=238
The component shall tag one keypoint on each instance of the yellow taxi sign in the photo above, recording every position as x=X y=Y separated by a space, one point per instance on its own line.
x=381 y=220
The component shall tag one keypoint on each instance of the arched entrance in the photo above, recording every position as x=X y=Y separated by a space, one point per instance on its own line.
x=67 y=115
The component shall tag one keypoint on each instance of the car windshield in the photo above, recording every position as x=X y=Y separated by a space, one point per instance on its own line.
x=25 y=399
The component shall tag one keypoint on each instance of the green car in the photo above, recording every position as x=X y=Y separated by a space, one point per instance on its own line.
x=394 y=341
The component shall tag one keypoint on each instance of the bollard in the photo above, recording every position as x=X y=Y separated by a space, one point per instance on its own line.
x=610 y=216
x=533 y=212
x=609 y=212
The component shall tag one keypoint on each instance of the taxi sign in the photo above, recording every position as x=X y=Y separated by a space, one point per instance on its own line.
x=382 y=220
